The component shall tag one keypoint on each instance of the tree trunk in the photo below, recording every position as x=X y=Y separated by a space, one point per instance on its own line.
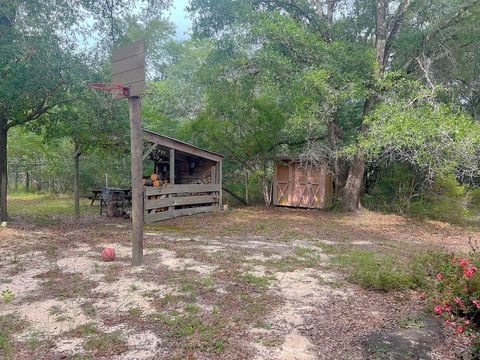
x=246 y=187
x=336 y=137
x=76 y=180
x=340 y=176
x=265 y=189
x=353 y=187
x=351 y=191
x=3 y=173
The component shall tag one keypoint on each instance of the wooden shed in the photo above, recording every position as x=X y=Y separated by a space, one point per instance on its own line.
x=301 y=186
x=190 y=178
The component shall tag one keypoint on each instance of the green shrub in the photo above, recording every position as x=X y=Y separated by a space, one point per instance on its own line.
x=474 y=208
x=447 y=200
x=395 y=188
x=399 y=189
x=383 y=272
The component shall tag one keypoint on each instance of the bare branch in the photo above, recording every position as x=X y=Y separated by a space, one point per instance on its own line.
x=395 y=26
x=455 y=19
x=425 y=65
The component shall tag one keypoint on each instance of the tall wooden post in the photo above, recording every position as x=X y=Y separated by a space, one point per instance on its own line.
x=220 y=181
x=246 y=187
x=171 y=164
x=171 y=172
x=134 y=104
x=76 y=179
x=16 y=177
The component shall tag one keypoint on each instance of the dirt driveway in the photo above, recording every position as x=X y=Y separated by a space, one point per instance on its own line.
x=243 y=284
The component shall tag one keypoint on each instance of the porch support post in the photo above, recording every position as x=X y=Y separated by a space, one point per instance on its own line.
x=171 y=165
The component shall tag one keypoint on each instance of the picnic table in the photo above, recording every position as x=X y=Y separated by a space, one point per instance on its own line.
x=97 y=196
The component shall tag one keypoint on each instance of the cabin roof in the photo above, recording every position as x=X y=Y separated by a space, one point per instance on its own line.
x=182 y=146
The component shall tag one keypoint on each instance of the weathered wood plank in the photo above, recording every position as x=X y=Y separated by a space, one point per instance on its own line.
x=135 y=48
x=136 y=89
x=128 y=64
x=165 y=215
x=194 y=210
x=181 y=188
x=130 y=77
x=181 y=146
x=158 y=216
x=182 y=200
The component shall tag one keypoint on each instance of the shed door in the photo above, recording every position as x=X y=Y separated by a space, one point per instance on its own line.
x=309 y=187
x=281 y=189
x=306 y=187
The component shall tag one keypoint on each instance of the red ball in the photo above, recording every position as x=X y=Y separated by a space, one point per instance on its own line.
x=108 y=254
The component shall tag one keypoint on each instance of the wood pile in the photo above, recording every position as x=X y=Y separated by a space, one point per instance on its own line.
x=206 y=180
x=153 y=180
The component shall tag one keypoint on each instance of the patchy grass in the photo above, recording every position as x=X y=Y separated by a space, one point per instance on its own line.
x=167 y=300
x=135 y=311
x=258 y=281
x=43 y=207
x=86 y=330
x=82 y=357
x=302 y=251
x=105 y=344
x=160 y=227
x=57 y=312
x=292 y=263
x=392 y=271
x=262 y=325
x=245 y=298
x=194 y=330
x=34 y=341
x=65 y=285
x=193 y=286
x=270 y=341
x=89 y=310
x=292 y=234
x=414 y=321
x=113 y=273
x=384 y=272
x=9 y=325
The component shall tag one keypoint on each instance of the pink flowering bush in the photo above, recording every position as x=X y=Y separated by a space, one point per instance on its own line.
x=456 y=297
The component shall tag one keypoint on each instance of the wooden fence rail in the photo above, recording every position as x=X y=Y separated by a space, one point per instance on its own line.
x=168 y=202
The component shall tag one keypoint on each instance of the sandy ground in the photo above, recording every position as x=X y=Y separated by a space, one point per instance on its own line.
x=205 y=291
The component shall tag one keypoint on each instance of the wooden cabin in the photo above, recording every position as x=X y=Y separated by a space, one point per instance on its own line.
x=301 y=186
x=189 y=178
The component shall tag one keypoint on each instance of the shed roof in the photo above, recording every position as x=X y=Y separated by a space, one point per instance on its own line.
x=179 y=145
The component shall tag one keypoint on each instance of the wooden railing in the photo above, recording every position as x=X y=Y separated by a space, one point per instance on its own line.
x=170 y=201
